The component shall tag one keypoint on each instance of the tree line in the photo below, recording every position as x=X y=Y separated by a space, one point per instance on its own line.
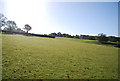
x=101 y=37
x=10 y=26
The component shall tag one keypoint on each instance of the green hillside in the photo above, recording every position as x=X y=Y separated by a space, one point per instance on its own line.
x=25 y=57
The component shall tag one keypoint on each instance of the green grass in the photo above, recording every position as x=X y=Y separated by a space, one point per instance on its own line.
x=60 y=58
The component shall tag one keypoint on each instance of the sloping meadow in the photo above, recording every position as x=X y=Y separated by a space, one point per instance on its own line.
x=25 y=57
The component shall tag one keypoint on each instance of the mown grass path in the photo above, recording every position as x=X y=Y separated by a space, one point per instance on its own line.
x=60 y=58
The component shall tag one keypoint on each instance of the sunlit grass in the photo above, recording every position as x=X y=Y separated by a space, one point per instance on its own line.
x=60 y=58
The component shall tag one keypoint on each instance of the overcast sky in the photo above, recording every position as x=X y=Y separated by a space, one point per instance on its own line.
x=69 y=17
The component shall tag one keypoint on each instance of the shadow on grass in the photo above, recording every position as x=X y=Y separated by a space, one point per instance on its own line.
x=116 y=44
x=109 y=43
x=113 y=44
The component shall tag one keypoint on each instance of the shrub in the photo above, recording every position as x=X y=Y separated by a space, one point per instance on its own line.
x=102 y=38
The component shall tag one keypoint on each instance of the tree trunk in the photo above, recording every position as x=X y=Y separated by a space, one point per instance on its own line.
x=27 y=33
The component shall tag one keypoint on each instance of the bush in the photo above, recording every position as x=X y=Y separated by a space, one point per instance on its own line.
x=102 y=38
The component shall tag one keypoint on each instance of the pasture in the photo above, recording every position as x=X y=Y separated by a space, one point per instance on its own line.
x=25 y=57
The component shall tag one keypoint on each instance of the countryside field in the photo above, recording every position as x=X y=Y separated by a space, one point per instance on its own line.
x=25 y=57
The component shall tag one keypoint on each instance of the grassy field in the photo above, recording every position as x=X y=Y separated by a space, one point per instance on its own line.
x=60 y=58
